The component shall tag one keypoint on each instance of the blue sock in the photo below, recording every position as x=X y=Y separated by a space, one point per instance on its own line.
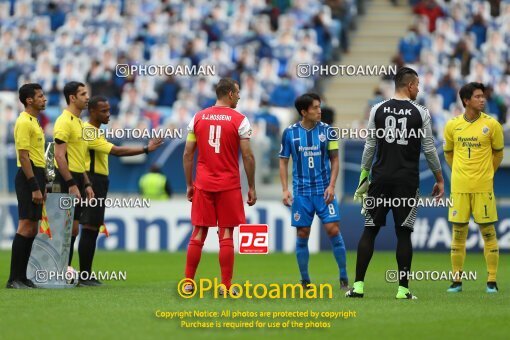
x=302 y=255
x=337 y=242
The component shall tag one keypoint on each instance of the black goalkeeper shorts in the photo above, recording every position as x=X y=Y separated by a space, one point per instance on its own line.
x=383 y=197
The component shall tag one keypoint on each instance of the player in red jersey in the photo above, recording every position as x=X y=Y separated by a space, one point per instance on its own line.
x=218 y=133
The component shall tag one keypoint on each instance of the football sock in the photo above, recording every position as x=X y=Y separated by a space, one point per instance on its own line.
x=490 y=251
x=404 y=254
x=194 y=252
x=337 y=243
x=458 y=248
x=302 y=255
x=87 y=248
x=20 y=244
x=26 y=257
x=365 y=251
x=71 y=250
x=226 y=257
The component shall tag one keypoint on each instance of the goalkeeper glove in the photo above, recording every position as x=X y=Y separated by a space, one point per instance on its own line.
x=363 y=211
x=362 y=186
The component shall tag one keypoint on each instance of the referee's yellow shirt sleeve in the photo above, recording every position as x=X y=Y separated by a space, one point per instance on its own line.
x=333 y=145
x=22 y=135
x=62 y=130
x=498 y=142
x=448 y=137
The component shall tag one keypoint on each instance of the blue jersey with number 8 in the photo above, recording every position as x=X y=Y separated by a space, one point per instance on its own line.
x=311 y=171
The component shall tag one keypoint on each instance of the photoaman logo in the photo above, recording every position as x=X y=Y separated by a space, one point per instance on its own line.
x=188 y=288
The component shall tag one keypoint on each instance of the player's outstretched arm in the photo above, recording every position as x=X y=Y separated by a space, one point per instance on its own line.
x=187 y=162
x=284 y=177
x=249 y=168
x=122 y=151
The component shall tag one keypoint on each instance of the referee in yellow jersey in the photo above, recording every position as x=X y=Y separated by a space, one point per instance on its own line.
x=30 y=182
x=474 y=150
x=99 y=148
x=70 y=152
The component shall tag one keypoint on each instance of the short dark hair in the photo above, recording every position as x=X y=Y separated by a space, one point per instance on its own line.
x=304 y=101
x=466 y=91
x=70 y=89
x=404 y=76
x=94 y=101
x=224 y=86
x=28 y=91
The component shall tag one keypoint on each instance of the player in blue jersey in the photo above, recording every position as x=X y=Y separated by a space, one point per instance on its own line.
x=313 y=182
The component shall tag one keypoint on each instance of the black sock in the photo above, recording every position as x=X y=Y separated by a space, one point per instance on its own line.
x=71 y=251
x=20 y=244
x=16 y=256
x=365 y=251
x=87 y=248
x=26 y=256
x=404 y=254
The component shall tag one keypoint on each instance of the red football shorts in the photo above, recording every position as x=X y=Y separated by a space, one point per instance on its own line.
x=224 y=209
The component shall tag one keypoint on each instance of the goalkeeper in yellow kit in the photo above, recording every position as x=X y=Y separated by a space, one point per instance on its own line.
x=474 y=150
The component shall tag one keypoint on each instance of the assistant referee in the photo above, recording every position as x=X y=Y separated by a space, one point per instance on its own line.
x=96 y=158
x=30 y=181
x=70 y=152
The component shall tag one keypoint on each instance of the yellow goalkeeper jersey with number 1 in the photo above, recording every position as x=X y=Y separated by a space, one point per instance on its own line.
x=472 y=144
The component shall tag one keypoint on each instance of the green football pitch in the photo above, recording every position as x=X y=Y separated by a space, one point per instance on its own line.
x=127 y=309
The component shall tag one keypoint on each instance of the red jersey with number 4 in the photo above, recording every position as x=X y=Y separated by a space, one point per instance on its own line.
x=218 y=131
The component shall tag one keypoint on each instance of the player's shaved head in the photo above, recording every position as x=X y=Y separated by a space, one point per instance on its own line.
x=225 y=86
x=404 y=77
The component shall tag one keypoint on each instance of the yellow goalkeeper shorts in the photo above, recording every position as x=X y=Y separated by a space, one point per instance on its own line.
x=481 y=204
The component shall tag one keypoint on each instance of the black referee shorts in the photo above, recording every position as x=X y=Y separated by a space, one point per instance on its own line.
x=94 y=214
x=60 y=185
x=383 y=197
x=28 y=210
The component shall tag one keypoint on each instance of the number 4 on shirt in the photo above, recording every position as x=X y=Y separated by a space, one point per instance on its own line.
x=214 y=137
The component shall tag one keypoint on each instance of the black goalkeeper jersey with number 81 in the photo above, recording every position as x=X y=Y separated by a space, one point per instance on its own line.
x=399 y=129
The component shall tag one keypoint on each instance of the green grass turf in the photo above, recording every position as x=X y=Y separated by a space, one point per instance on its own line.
x=127 y=309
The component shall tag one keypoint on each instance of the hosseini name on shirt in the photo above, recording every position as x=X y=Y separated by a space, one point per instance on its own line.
x=216 y=117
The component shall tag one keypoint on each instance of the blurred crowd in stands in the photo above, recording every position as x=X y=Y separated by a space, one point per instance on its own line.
x=450 y=44
x=257 y=42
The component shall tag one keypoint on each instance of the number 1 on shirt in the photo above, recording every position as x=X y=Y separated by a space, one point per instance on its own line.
x=215 y=141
